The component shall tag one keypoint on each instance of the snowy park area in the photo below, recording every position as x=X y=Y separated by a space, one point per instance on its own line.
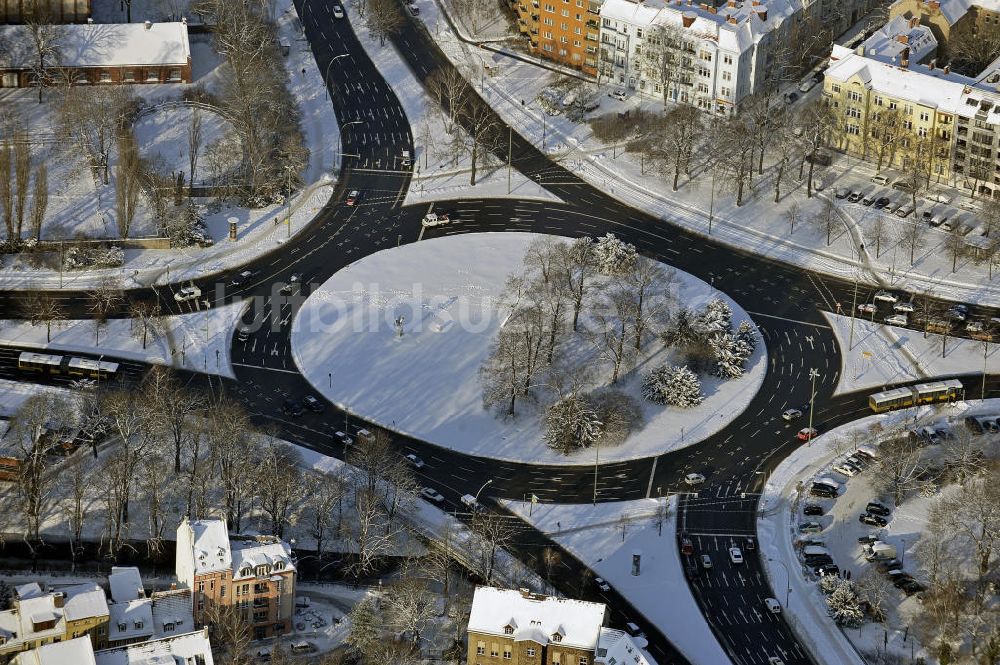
x=883 y=354
x=425 y=381
x=81 y=204
x=593 y=534
x=199 y=341
x=781 y=512
x=515 y=88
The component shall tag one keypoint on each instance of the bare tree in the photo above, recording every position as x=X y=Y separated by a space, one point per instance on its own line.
x=43 y=308
x=576 y=268
x=733 y=145
x=682 y=128
x=648 y=285
x=194 y=145
x=954 y=246
x=826 y=219
x=94 y=117
x=22 y=170
x=818 y=122
x=104 y=300
x=146 y=319
x=785 y=148
x=155 y=496
x=39 y=200
x=877 y=231
x=409 y=607
x=666 y=60
x=7 y=189
x=231 y=634
x=45 y=36
x=128 y=178
x=483 y=127
x=384 y=19
x=229 y=431
x=74 y=504
x=885 y=130
x=324 y=508
x=492 y=533
x=910 y=236
x=279 y=484
x=174 y=405
x=792 y=215
x=616 y=318
x=450 y=89
x=877 y=590
x=972 y=50
x=900 y=468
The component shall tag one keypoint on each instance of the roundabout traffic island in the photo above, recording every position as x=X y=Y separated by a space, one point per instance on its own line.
x=529 y=347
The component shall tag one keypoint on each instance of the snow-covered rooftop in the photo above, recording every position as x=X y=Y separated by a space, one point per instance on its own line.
x=84 y=601
x=172 y=612
x=103 y=45
x=615 y=647
x=253 y=553
x=211 y=546
x=536 y=617
x=164 y=651
x=131 y=619
x=29 y=590
x=900 y=36
x=125 y=583
x=78 y=651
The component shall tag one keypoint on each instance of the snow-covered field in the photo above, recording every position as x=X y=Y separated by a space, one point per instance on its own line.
x=759 y=225
x=593 y=534
x=437 y=175
x=14 y=393
x=884 y=354
x=426 y=383
x=76 y=203
x=199 y=341
x=780 y=513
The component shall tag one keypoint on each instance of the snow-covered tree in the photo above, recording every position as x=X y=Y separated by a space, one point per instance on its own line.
x=746 y=334
x=681 y=332
x=730 y=355
x=677 y=386
x=571 y=423
x=828 y=584
x=845 y=606
x=619 y=414
x=614 y=257
x=715 y=318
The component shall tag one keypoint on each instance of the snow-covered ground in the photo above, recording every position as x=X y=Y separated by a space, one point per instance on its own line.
x=512 y=87
x=780 y=512
x=884 y=354
x=593 y=534
x=77 y=203
x=14 y=393
x=437 y=175
x=426 y=382
x=199 y=341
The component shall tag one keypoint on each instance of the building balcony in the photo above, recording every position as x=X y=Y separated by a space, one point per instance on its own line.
x=592 y=23
x=593 y=37
x=591 y=50
x=535 y=17
x=534 y=31
x=260 y=603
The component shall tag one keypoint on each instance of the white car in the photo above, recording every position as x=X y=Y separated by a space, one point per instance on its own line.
x=791 y=414
x=344 y=438
x=897 y=320
x=188 y=293
x=706 y=561
x=774 y=660
x=415 y=461
x=433 y=219
x=772 y=605
x=338 y=11
x=807 y=85
x=694 y=479
x=847 y=469
x=735 y=555
x=431 y=495
x=619 y=94
x=905 y=307
x=886 y=296
x=867 y=308
x=601 y=584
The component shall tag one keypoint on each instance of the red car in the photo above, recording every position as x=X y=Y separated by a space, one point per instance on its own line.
x=352 y=198
x=807 y=433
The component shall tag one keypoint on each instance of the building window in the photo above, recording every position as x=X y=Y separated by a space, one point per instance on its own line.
x=201 y=587
x=494 y=650
x=922 y=132
x=726 y=92
x=727 y=59
x=583 y=660
x=175 y=75
x=168 y=627
x=892 y=106
x=137 y=624
x=727 y=76
x=506 y=653
x=924 y=116
x=105 y=76
x=508 y=630
x=121 y=628
x=480 y=648
x=853 y=130
x=222 y=590
x=835 y=87
x=152 y=75
x=854 y=96
x=706 y=56
x=531 y=653
x=129 y=75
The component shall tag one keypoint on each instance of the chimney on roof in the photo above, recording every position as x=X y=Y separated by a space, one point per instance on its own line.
x=947 y=69
x=905 y=58
x=914 y=21
x=730 y=19
x=903 y=39
x=710 y=9
x=184 y=20
x=148 y=25
x=934 y=5
x=687 y=19
x=932 y=64
x=58 y=599
x=762 y=13
x=90 y=21
x=731 y=4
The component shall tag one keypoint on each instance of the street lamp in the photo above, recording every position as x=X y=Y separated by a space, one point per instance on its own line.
x=813 y=374
x=788 y=580
x=326 y=76
x=597 y=460
x=476 y=500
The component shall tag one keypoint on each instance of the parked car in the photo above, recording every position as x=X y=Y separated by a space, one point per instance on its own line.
x=807 y=433
x=876 y=508
x=807 y=85
x=881 y=202
x=344 y=438
x=902 y=186
x=791 y=414
x=896 y=320
x=827 y=569
x=886 y=296
x=772 y=605
x=854 y=197
x=619 y=94
x=867 y=308
x=601 y=584
x=823 y=491
x=694 y=479
x=810 y=527
x=842 y=192
x=187 y=293
x=868 y=199
x=735 y=555
x=813 y=510
x=431 y=494
x=957 y=312
x=414 y=461
x=886 y=566
x=291 y=407
x=791 y=97
x=905 y=307
x=905 y=210
x=706 y=561
x=872 y=520
x=847 y=469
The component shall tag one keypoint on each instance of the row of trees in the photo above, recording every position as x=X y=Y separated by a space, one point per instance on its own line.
x=16 y=182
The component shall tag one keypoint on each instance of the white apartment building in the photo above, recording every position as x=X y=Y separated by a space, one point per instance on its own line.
x=720 y=54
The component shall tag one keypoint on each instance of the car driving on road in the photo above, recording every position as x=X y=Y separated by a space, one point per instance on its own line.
x=791 y=414
x=694 y=479
x=415 y=461
x=188 y=293
x=601 y=584
x=431 y=495
x=807 y=433
x=353 y=197
x=312 y=403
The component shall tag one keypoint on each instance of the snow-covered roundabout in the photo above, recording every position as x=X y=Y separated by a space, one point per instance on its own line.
x=399 y=338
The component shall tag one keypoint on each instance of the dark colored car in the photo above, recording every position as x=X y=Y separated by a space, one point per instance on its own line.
x=886 y=566
x=813 y=510
x=911 y=587
x=881 y=202
x=823 y=492
x=290 y=407
x=876 y=508
x=827 y=569
x=872 y=520
x=313 y=404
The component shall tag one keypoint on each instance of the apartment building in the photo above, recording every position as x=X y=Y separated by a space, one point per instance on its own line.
x=191 y=648
x=253 y=573
x=38 y=618
x=101 y=53
x=710 y=57
x=54 y=11
x=948 y=19
x=136 y=617
x=517 y=627
x=564 y=31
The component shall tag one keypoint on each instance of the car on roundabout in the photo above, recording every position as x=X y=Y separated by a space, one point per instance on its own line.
x=433 y=219
x=735 y=555
x=694 y=479
x=791 y=414
x=807 y=433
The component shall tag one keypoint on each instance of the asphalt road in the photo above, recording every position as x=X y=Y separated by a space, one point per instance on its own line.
x=786 y=302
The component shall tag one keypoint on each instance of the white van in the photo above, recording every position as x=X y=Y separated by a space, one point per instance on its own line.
x=470 y=501
x=940 y=198
x=882 y=179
